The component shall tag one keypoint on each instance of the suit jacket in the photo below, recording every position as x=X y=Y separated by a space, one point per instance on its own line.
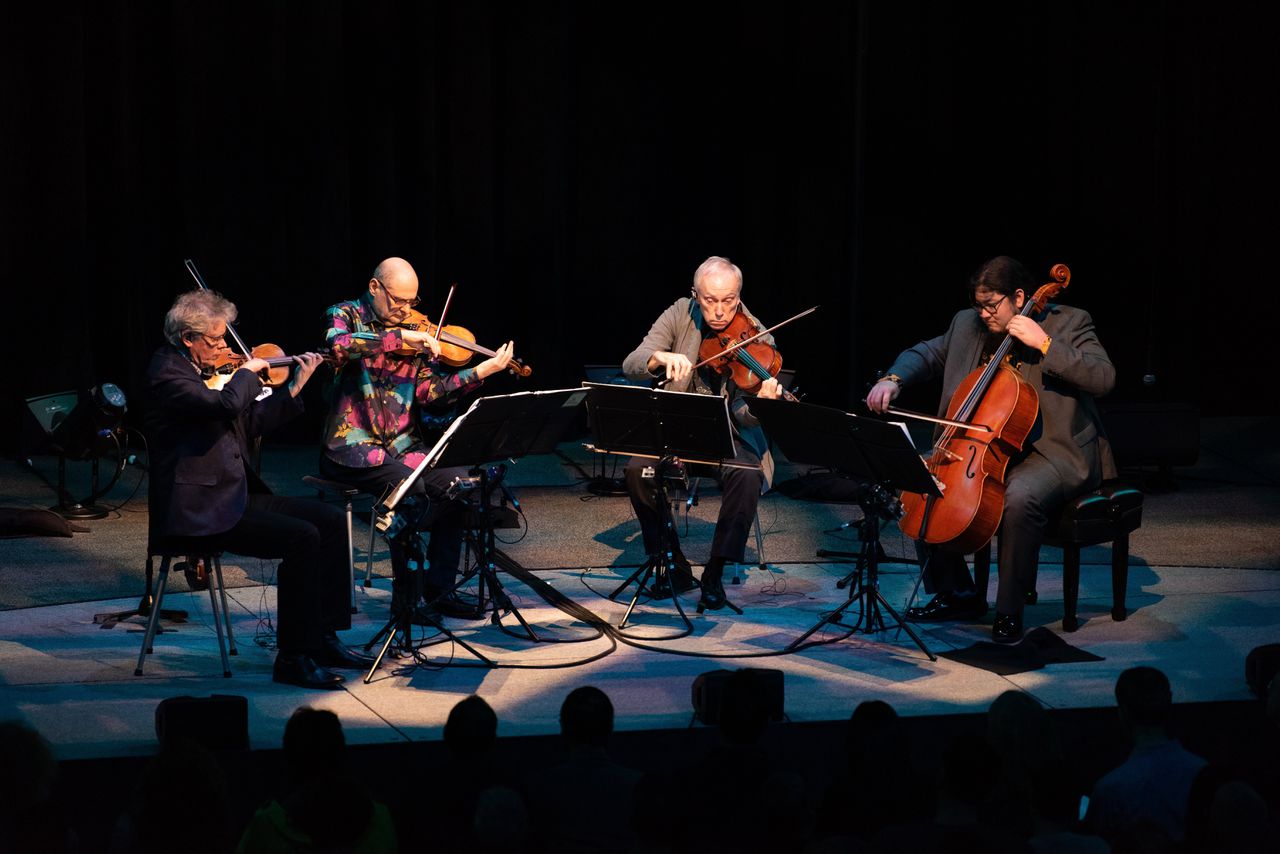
x=1068 y=431
x=198 y=445
x=679 y=329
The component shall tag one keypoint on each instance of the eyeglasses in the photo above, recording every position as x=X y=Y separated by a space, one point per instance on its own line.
x=209 y=340
x=392 y=302
x=989 y=307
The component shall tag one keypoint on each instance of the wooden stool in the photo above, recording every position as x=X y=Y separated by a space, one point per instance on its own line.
x=1106 y=515
x=347 y=493
x=208 y=550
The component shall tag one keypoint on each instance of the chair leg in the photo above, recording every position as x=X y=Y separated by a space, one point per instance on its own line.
x=761 y=563
x=226 y=612
x=982 y=570
x=351 y=559
x=217 y=617
x=154 y=619
x=1119 y=577
x=760 y=558
x=1070 y=586
x=368 y=567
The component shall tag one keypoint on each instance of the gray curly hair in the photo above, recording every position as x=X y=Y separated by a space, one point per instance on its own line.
x=197 y=311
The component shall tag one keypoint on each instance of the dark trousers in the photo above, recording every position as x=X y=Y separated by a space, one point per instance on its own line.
x=1034 y=492
x=740 y=493
x=445 y=519
x=310 y=538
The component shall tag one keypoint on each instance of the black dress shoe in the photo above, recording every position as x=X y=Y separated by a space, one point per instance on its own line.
x=713 y=596
x=1007 y=628
x=334 y=653
x=302 y=670
x=950 y=605
x=679 y=579
x=449 y=603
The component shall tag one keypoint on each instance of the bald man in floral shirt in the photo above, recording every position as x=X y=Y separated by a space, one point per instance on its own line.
x=370 y=442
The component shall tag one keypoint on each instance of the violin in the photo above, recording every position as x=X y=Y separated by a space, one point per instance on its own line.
x=996 y=409
x=740 y=352
x=278 y=364
x=457 y=344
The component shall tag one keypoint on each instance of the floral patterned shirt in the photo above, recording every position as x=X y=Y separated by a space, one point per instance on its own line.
x=371 y=397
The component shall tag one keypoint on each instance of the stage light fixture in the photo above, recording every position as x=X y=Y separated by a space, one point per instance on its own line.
x=81 y=425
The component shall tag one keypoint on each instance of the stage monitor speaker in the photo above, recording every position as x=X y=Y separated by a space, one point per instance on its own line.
x=48 y=413
x=709 y=693
x=217 y=722
x=75 y=424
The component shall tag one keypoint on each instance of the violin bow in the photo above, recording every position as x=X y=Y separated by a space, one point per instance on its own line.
x=444 y=311
x=235 y=336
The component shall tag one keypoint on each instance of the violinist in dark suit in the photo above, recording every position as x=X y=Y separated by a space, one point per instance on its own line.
x=1066 y=453
x=202 y=484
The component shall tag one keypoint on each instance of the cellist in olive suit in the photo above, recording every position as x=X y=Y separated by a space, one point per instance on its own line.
x=1065 y=454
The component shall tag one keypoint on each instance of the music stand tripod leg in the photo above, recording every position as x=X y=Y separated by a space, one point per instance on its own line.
x=866 y=587
x=484 y=545
x=646 y=569
x=667 y=543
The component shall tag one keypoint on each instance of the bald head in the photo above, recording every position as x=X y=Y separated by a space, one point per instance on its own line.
x=393 y=288
x=393 y=270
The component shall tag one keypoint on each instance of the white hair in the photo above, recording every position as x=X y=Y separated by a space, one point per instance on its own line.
x=197 y=311
x=716 y=264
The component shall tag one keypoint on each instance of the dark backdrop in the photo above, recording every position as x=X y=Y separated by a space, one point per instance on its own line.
x=569 y=165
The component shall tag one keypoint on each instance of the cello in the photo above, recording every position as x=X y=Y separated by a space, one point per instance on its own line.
x=969 y=464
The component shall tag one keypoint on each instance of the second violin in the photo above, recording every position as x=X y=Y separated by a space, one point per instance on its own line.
x=457 y=344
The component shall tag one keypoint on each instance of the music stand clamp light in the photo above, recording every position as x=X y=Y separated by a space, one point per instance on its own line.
x=666 y=426
x=507 y=426
x=877 y=454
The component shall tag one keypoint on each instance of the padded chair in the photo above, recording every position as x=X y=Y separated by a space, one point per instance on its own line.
x=1109 y=514
x=209 y=550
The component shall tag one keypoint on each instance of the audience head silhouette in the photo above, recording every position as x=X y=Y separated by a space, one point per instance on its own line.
x=471 y=728
x=1144 y=697
x=586 y=716
x=314 y=745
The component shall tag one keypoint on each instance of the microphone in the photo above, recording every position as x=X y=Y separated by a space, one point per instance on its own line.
x=497 y=477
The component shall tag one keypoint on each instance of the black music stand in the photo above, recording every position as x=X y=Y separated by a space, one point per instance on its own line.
x=878 y=455
x=608 y=484
x=667 y=426
x=506 y=426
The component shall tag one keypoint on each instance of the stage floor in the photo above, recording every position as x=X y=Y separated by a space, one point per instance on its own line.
x=73 y=679
x=1202 y=592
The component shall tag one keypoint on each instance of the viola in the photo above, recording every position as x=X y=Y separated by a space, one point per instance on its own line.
x=970 y=460
x=740 y=352
x=457 y=344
